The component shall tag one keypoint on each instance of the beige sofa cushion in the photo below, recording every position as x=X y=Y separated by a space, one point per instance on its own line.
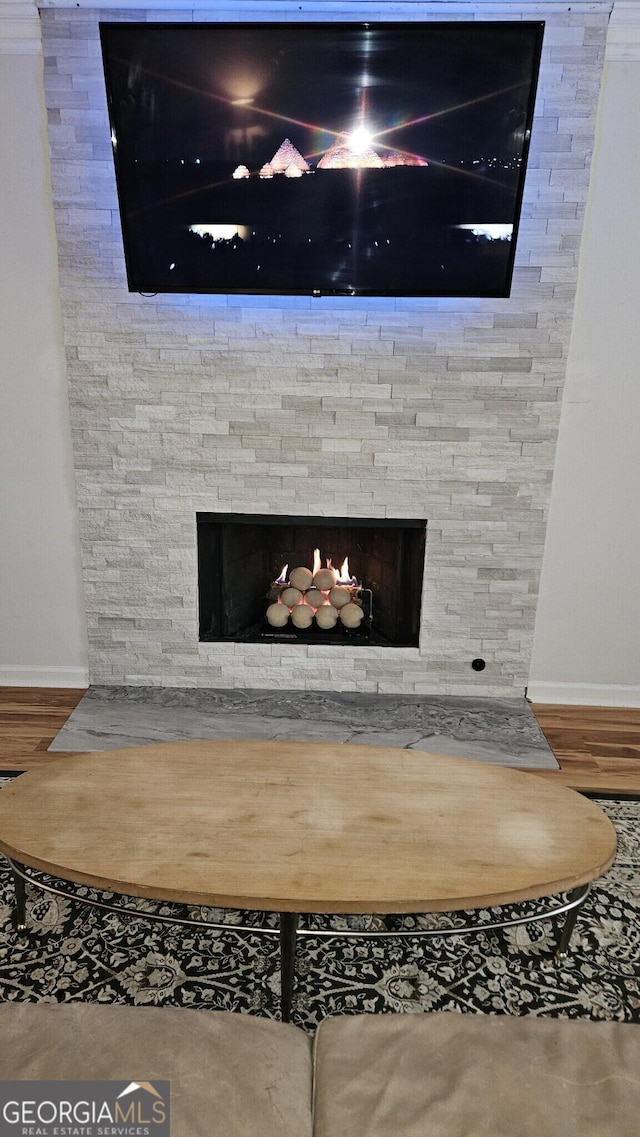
x=468 y=1075
x=231 y=1075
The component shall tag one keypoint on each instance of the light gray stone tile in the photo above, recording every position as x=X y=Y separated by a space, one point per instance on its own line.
x=253 y=351
x=500 y=731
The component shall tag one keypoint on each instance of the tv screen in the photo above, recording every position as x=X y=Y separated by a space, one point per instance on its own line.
x=324 y=159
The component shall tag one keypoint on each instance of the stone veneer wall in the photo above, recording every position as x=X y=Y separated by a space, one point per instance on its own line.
x=446 y=410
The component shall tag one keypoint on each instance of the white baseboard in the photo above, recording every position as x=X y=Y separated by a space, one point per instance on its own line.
x=585 y=694
x=43 y=676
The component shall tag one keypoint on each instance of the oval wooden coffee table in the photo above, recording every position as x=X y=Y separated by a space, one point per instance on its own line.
x=303 y=827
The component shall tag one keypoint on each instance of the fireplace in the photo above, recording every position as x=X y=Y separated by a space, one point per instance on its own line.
x=311 y=580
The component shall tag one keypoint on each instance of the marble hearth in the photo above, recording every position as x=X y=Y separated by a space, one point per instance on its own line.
x=499 y=731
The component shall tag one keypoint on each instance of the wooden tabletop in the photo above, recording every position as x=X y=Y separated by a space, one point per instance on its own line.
x=303 y=827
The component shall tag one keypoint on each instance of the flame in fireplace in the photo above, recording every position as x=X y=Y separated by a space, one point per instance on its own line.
x=345 y=576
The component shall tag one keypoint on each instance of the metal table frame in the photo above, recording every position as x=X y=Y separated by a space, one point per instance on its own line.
x=289 y=925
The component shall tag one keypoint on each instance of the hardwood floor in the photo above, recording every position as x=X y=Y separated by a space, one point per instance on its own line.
x=30 y=719
x=597 y=748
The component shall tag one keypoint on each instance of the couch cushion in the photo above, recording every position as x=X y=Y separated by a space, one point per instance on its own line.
x=231 y=1075
x=466 y=1075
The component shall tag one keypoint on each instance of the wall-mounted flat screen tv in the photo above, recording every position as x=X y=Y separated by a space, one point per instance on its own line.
x=324 y=159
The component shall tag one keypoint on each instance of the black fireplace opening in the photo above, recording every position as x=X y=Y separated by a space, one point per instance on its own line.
x=246 y=593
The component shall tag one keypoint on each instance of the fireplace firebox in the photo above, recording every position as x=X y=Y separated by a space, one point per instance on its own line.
x=312 y=580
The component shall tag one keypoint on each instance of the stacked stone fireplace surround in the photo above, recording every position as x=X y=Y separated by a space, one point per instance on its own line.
x=446 y=410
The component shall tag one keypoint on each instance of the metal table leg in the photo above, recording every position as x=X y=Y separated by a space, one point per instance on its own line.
x=288 y=929
x=20 y=915
x=562 y=947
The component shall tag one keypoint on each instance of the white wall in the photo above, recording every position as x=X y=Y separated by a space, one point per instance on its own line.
x=587 y=637
x=42 y=625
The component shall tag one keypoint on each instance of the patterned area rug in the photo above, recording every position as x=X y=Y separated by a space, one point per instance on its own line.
x=75 y=952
